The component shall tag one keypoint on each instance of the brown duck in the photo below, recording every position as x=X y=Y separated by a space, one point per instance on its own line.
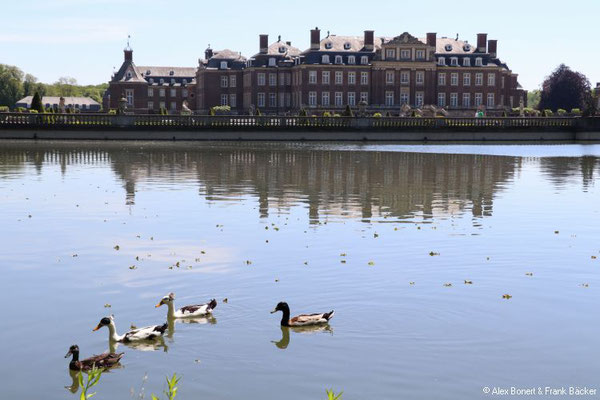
x=105 y=360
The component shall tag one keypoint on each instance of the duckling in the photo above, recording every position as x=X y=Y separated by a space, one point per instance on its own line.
x=302 y=319
x=105 y=360
x=145 y=333
x=187 y=311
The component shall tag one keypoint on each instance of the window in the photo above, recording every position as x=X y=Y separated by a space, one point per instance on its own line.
x=184 y=93
x=150 y=92
x=405 y=54
x=162 y=104
x=364 y=60
x=351 y=78
x=282 y=79
x=420 y=54
x=404 y=77
x=288 y=99
x=364 y=96
x=312 y=77
x=454 y=79
x=224 y=81
x=232 y=81
x=420 y=77
x=325 y=59
x=351 y=98
x=172 y=93
x=448 y=47
x=491 y=101
x=442 y=79
x=273 y=100
x=491 y=79
x=466 y=62
x=339 y=77
x=260 y=79
x=328 y=45
x=312 y=99
x=325 y=77
x=260 y=99
x=173 y=106
x=338 y=59
x=351 y=60
x=419 y=96
x=151 y=80
x=390 y=54
x=272 y=79
x=129 y=97
x=129 y=75
x=364 y=78
x=404 y=97
x=162 y=81
x=325 y=99
x=478 y=99
x=478 y=79
x=441 y=61
x=223 y=65
x=232 y=100
x=281 y=99
x=389 y=98
x=467 y=79
x=467 y=47
x=347 y=46
x=502 y=82
x=454 y=62
x=453 y=99
x=478 y=62
x=173 y=81
x=272 y=62
x=288 y=79
x=171 y=73
x=161 y=92
x=338 y=99
x=466 y=100
x=184 y=81
x=224 y=99
x=441 y=99
x=389 y=77
x=150 y=105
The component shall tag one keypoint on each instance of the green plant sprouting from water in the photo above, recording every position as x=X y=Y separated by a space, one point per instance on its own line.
x=92 y=379
x=171 y=391
x=332 y=396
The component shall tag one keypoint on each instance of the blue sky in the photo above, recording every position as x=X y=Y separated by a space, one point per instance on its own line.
x=85 y=38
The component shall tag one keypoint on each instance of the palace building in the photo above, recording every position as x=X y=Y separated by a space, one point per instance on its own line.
x=381 y=74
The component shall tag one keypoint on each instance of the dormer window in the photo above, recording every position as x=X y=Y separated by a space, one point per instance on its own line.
x=172 y=81
x=272 y=62
x=441 y=61
x=151 y=81
x=454 y=61
x=184 y=81
x=148 y=72
x=364 y=60
x=338 y=60
x=346 y=46
x=351 y=60
x=466 y=62
x=479 y=62
x=171 y=73
x=223 y=65
x=328 y=45
x=129 y=75
x=282 y=49
x=448 y=47
x=162 y=81
x=325 y=59
x=467 y=47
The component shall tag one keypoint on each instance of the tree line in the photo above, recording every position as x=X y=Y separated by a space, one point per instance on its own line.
x=15 y=84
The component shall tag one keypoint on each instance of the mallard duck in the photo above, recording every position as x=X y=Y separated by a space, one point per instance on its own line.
x=302 y=319
x=145 y=333
x=105 y=360
x=187 y=311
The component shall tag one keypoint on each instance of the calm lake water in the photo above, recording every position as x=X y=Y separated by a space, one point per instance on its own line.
x=261 y=223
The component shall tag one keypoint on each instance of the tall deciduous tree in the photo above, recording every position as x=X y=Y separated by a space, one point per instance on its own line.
x=565 y=89
x=11 y=86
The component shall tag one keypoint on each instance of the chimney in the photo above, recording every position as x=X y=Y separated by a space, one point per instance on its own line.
x=482 y=42
x=493 y=48
x=288 y=43
x=208 y=53
x=128 y=54
x=369 y=41
x=315 y=39
x=432 y=39
x=264 y=44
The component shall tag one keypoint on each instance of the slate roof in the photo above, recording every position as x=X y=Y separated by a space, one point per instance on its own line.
x=227 y=54
x=355 y=43
x=165 y=72
x=54 y=100
x=458 y=47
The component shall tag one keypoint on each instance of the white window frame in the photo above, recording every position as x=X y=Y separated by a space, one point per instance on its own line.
x=312 y=99
x=405 y=54
x=466 y=100
x=420 y=78
x=272 y=79
x=441 y=61
x=260 y=99
x=420 y=54
x=390 y=54
x=466 y=62
x=325 y=59
x=150 y=92
x=454 y=79
x=339 y=77
x=272 y=62
x=232 y=81
x=479 y=79
x=479 y=62
x=325 y=99
x=364 y=60
x=339 y=60
x=364 y=78
x=224 y=81
x=325 y=77
x=467 y=79
x=223 y=65
x=454 y=100
x=272 y=100
x=454 y=61
x=389 y=98
x=364 y=96
x=351 y=78
x=232 y=100
x=312 y=77
x=478 y=99
x=129 y=96
x=339 y=99
x=224 y=99
x=173 y=93
x=404 y=77
x=261 y=79
x=389 y=77
x=351 y=98
x=491 y=101
x=442 y=79
x=441 y=100
x=491 y=81
x=351 y=60
x=419 y=99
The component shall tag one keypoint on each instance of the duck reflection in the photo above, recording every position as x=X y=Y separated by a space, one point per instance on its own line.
x=74 y=388
x=140 y=345
x=208 y=319
x=284 y=342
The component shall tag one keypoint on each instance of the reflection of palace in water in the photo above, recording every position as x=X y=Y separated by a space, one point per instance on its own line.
x=344 y=183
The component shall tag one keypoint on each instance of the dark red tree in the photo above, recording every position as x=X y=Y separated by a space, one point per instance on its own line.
x=565 y=89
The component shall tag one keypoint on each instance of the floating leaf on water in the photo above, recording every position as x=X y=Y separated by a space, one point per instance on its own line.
x=343 y=255
x=305 y=262
x=248 y=262
x=151 y=237
x=137 y=258
x=447 y=284
x=117 y=247
x=487 y=258
x=197 y=361
x=418 y=227
x=433 y=253
x=133 y=267
x=594 y=257
x=529 y=273
x=411 y=283
x=556 y=232
x=29 y=216
x=75 y=255
x=202 y=252
x=468 y=282
x=138 y=236
x=276 y=280
x=585 y=285
x=371 y=263
x=266 y=228
x=343 y=261
x=107 y=305
x=177 y=264
x=395 y=229
x=267 y=241
x=225 y=300
x=276 y=228
x=375 y=235
x=506 y=296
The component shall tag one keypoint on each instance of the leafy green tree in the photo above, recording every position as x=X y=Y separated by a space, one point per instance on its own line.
x=11 y=86
x=565 y=89
x=36 y=103
x=533 y=98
